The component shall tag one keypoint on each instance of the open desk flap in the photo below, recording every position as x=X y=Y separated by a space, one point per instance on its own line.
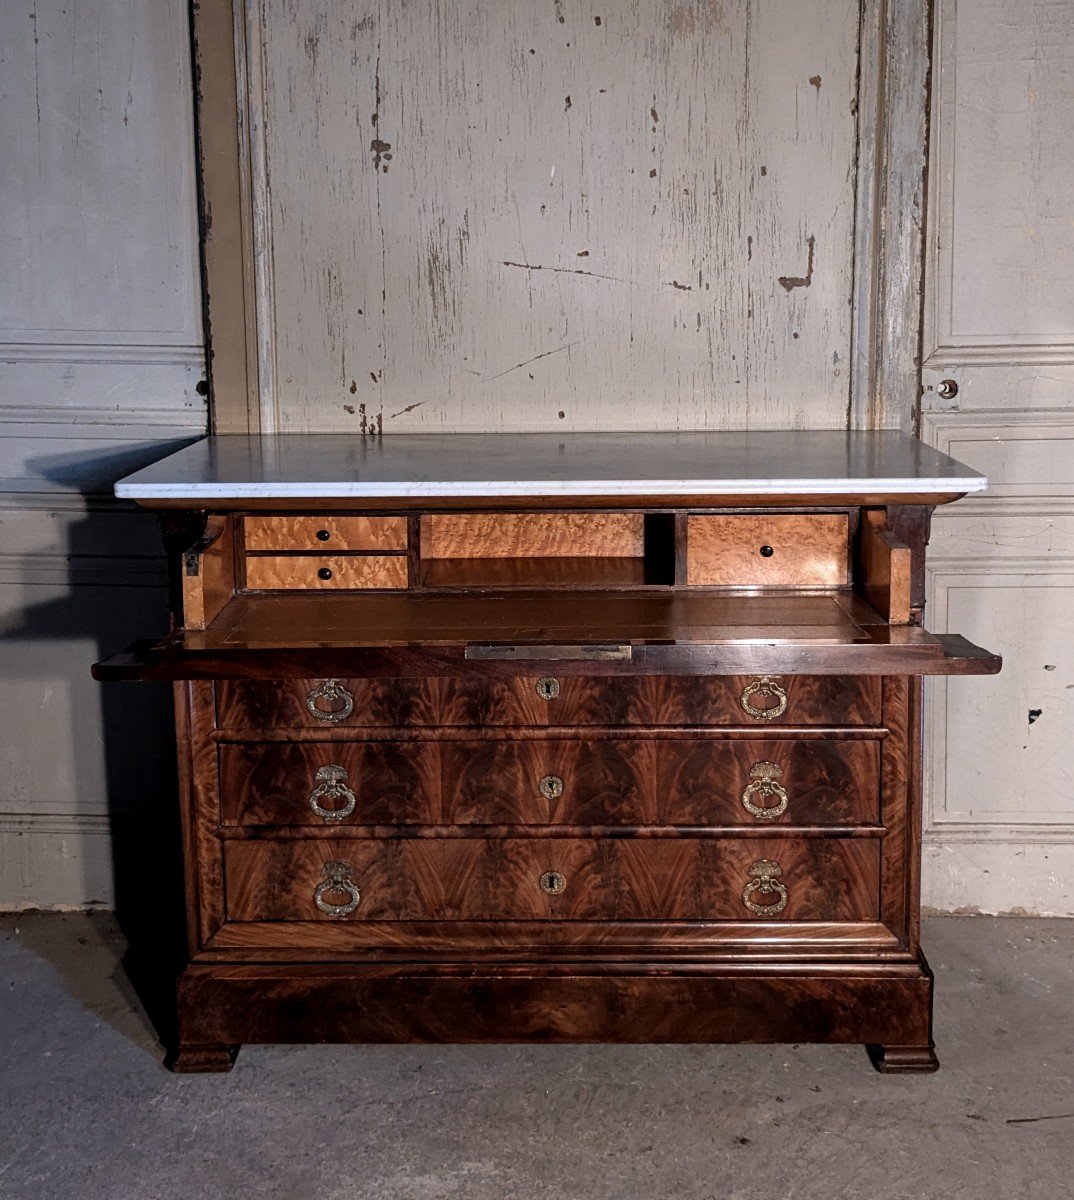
x=582 y=633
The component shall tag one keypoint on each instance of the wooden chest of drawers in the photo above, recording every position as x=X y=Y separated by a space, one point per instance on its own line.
x=628 y=773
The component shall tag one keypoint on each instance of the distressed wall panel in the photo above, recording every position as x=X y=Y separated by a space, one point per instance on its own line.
x=100 y=362
x=631 y=214
x=1006 y=90
x=1005 y=750
x=1000 y=323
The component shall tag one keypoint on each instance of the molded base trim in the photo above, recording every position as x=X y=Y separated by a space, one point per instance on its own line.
x=222 y=1005
x=190 y=1059
x=900 y=1060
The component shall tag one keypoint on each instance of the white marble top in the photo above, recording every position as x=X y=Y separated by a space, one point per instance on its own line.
x=331 y=466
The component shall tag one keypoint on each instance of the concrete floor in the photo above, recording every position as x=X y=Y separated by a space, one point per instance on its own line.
x=89 y=1113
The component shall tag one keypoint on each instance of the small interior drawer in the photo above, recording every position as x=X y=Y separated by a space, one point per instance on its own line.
x=782 y=550
x=325 y=533
x=322 y=572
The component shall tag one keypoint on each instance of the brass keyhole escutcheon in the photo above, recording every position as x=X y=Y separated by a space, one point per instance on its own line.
x=552 y=882
x=547 y=687
x=551 y=787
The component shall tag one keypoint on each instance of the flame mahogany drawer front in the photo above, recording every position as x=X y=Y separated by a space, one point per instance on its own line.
x=551 y=781
x=691 y=879
x=542 y=701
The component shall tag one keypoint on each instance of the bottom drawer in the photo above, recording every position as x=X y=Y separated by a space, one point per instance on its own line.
x=691 y=879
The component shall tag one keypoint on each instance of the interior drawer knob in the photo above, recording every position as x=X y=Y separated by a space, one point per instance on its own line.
x=551 y=787
x=765 y=688
x=330 y=701
x=337 y=883
x=552 y=882
x=547 y=688
x=332 y=786
x=762 y=787
x=764 y=881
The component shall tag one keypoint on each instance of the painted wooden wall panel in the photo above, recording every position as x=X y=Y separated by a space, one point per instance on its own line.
x=1011 y=249
x=100 y=361
x=621 y=214
x=1000 y=323
x=96 y=231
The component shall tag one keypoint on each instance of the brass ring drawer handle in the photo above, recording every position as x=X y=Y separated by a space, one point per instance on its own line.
x=332 y=692
x=763 y=785
x=551 y=787
x=552 y=882
x=332 y=785
x=337 y=878
x=764 y=880
x=767 y=686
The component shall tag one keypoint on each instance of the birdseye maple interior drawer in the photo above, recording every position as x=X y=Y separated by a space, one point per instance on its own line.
x=325 y=533
x=691 y=879
x=691 y=781
x=548 y=700
x=781 y=550
x=318 y=572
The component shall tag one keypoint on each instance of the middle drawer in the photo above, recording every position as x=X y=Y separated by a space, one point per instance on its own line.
x=688 y=781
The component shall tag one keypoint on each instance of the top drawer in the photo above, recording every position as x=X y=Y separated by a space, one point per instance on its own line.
x=325 y=533
x=630 y=701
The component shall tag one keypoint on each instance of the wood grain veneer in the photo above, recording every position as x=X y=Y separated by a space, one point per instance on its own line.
x=884 y=567
x=685 y=781
x=208 y=573
x=793 y=550
x=630 y=702
x=306 y=572
x=553 y=709
x=487 y=879
x=533 y=535
x=308 y=533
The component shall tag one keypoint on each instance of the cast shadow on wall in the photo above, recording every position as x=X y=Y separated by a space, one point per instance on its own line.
x=106 y=587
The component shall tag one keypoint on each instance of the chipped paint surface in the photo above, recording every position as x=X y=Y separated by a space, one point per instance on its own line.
x=1000 y=321
x=539 y=215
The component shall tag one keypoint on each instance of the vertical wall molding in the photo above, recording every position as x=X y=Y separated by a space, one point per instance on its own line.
x=223 y=155
x=893 y=110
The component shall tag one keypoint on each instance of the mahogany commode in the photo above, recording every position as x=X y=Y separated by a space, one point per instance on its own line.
x=552 y=738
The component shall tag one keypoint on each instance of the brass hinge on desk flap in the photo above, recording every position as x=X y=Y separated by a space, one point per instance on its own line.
x=602 y=652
